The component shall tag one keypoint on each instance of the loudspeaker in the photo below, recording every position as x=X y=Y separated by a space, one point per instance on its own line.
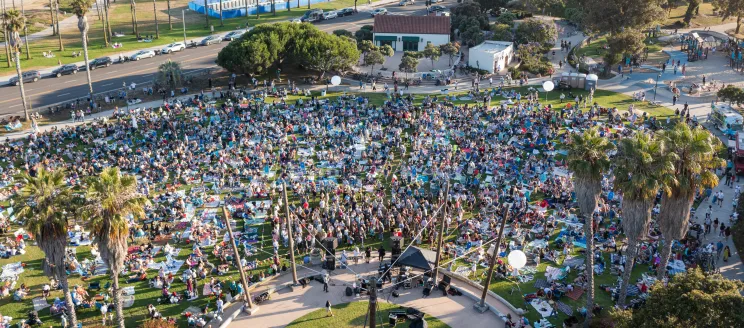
x=330 y=243
x=447 y=279
x=395 y=294
x=349 y=291
x=397 y=244
x=330 y=263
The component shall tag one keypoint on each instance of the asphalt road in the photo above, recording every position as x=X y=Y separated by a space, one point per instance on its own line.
x=52 y=90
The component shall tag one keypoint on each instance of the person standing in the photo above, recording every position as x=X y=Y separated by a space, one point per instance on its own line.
x=329 y=313
x=727 y=232
x=220 y=304
x=726 y=253
x=719 y=249
x=368 y=253
x=325 y=283
x=104 y=309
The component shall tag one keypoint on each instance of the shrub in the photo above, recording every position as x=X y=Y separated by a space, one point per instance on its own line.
x=343 y=33
x=507 y=18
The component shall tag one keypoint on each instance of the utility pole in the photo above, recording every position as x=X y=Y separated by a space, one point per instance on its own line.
x=247 y=295
x=481 y=306
x=291 y=238
x=440 y=238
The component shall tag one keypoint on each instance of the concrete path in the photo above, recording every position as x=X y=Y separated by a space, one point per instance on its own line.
x=286 y=306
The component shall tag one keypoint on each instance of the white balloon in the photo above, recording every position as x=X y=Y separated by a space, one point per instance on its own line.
x=548 y=85
x=336 y=80
x=517 y=259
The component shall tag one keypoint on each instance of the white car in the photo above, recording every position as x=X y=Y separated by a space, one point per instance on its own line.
x=330 y=15
x=142 y=54
x=379 y=11
x=173 y=47
x=296 y=20
x=406 y=2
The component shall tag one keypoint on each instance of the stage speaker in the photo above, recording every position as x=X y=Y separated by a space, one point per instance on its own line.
x=446 y=279
x=349 y=291
x=427 y=291
x=330 y=245
x=397 y=244
x=330 y=263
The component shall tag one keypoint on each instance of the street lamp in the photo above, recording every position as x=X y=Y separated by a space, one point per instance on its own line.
x=658 y=76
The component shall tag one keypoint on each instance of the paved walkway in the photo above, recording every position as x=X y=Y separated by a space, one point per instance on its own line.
x=286 y=306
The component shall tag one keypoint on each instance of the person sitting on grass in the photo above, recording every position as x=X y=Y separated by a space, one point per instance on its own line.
x=140 y=276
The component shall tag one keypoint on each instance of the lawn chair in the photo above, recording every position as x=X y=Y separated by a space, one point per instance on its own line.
x=94 y=285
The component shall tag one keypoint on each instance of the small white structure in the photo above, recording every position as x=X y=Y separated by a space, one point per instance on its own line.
x=492 y=56
x=411 y=33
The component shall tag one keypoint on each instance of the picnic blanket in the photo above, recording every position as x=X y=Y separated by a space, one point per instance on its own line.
x=191 y=309
x=215 y=201
x=633 y=291
x=573 y=261
x=575 y=294
x=463 y=271
x=40 y=303
x=127 y=301
x=11 y=271
x=541 y=283
x=553 y=273
x=542 y=307
x=563 y=307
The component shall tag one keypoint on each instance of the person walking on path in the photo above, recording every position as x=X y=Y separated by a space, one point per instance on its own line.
x=726 y=253
x=329 y=313
x=727 y=232
x=723 y=230
x=719 y=249
x=715 y=224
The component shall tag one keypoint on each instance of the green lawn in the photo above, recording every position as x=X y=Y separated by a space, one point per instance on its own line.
x=353 y=315
x=706 y=17
x=121 y=21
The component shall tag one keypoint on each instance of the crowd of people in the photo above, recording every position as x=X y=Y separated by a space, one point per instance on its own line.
x=355 y=171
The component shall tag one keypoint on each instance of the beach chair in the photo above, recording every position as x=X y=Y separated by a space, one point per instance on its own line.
x=94 y=285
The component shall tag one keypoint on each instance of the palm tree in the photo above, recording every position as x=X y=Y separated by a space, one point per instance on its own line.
x=51 y=15
x=641 y=162
x=59 y=32
x=206 y=11
x=80 y=8
x=222 y=19
x=588 y=159
x=169 y=74
x=155 y=12
x=104 y=21
x=170 y=25
x=133 y=11
x=112 y=198
x=694 y=153
x=14 y=23
x=45 y=196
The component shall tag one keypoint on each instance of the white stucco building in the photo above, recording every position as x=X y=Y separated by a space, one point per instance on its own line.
x=411 y=33
x=492 y=56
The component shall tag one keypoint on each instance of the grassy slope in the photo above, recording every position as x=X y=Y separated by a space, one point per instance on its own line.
x=706 y=17
x=34 y=278
x=121 y=21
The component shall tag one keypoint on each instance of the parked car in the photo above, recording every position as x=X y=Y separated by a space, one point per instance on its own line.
x=101 y=62
x=234 y=35
x=436 y=8
x=406 y=2
x=379 y=11
x=346 y=12
x=65 y=70
x=330 y=15
x=173 y=47
x=30 y=76
x=142 y=54
x=212 y=39
x=312 y=15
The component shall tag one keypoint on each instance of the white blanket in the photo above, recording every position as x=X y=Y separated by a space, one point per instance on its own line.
x=11 y=271
x=542 y=307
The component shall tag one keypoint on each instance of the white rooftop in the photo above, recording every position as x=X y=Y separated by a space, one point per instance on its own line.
x=492 y=46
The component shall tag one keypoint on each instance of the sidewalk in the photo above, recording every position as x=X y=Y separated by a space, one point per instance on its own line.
x=733 y=269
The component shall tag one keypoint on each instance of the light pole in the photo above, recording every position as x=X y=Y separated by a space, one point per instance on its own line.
x=481 y=306
x=291 y=238
x=658 y=76
x=247 y=295
x=440 y=238
x=183 y=21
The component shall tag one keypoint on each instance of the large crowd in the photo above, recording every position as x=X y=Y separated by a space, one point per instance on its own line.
x=354 y=170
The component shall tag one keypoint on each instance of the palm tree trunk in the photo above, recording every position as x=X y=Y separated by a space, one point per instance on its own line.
x=589 y=235
x=51 y=16
x=674 y=218
x=666 y=252
x=25 y=33
x=206 y=12
x=630 y=254
x=133 y=10
x=20 y=83
x=257 y=10
x=222 y=19
x=87 y=64
x=155 y=12
x=106 y=6
x=273 y=7
x=7 y=42
x=105 y=22
x=117 y=299
x=59 y=32
x=170 y=24
x=68 y=299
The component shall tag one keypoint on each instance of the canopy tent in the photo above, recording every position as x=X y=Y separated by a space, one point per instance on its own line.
x=418 y=258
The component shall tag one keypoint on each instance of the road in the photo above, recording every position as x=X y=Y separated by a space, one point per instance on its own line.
x=52 y=90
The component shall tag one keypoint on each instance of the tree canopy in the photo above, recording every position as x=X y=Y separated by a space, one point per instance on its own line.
x=537 y=30
x=501 y=32
x=468 y=11
x=616 y=15
x=731 y=8
x=691 y=299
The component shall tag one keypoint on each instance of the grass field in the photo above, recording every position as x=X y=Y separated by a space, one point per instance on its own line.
x=34 y=278
x=121 y=21
x=353 y=315
x=706 y=17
